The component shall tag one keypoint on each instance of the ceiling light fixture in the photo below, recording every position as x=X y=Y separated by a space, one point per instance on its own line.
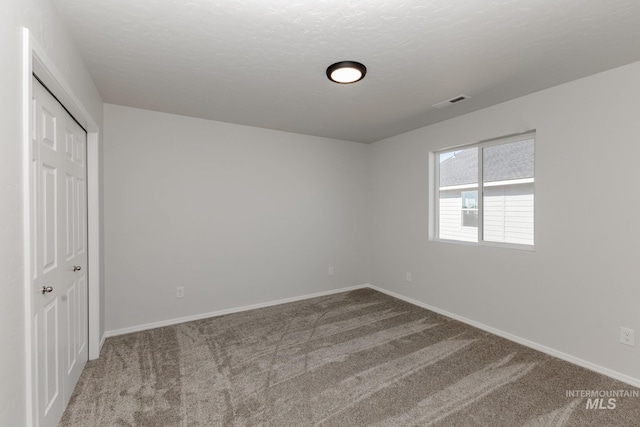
x=345 y=72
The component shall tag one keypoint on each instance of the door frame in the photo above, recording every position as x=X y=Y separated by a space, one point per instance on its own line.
x=36 y=61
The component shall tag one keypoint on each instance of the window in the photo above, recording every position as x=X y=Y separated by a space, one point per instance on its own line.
x=484 y=192
x=469 y=208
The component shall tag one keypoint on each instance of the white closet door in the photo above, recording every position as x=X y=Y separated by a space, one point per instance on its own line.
x=59 y=223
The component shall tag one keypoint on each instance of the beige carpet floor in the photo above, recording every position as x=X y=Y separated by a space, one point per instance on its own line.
x=359 y=358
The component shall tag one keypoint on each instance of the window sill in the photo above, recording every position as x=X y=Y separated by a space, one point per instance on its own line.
x=520 y=247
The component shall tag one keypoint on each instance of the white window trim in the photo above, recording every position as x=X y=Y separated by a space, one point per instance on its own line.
x=508 y=182
x=458 y=187
x=434 y=225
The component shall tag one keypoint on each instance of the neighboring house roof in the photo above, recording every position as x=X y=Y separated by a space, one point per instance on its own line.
x=501 y=163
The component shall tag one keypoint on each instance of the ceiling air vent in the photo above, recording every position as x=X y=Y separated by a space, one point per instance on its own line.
x=448 y=102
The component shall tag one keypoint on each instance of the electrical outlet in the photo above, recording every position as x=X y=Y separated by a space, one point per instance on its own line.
x=408 y=277
x=180 y=292
x=628 y=336
x=330 y=271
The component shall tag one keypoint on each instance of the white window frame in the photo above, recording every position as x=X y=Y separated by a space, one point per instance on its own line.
x=434 y=227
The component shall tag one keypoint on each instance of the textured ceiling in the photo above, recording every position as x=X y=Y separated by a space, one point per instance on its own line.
x=262 y=62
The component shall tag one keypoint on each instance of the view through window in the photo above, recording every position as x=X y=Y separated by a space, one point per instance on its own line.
x=485 y=192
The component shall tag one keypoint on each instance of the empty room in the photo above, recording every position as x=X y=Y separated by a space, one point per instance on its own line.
x=331 y=213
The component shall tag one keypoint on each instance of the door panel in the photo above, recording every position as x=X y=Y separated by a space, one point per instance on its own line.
x=72 y=314
x=70 y=188
x=69 y=144
x=60 y=232
x=82 y=313
x=49 y=234
x=81 y=216
x=49 y=133
x=50 y=365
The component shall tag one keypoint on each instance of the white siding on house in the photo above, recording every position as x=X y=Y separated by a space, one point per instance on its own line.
x=450 y=227
x=508 y=214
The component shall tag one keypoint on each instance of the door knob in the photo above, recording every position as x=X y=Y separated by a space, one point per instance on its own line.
x=47 y=289
x=77 y=268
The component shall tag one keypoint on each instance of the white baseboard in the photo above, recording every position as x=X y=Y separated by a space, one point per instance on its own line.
x=170 y=322
x=544 y=349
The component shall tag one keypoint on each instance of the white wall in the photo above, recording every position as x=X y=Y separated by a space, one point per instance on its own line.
x=581 y=283
x=237 y=215
x=41 y=19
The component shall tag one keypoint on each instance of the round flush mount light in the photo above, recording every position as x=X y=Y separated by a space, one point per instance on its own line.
x=345 y=72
